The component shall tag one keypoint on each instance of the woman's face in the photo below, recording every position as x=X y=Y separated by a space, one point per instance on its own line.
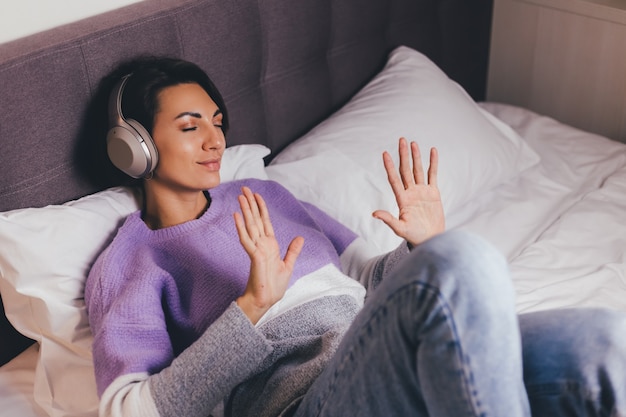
x=188 y=136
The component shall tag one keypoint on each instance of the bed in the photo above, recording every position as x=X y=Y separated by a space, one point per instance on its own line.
x=315 y=90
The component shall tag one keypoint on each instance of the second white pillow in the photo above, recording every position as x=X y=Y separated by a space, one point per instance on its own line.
x=338 y=164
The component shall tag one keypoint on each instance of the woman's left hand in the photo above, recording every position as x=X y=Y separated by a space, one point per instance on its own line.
x=419 y=201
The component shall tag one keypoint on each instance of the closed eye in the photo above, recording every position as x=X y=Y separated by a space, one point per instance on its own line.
x=217 y=118
x=189 y=129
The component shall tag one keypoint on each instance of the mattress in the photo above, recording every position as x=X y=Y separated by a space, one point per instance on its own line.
x=561 y=224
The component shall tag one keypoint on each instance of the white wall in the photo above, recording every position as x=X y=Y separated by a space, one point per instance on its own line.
x=19 y=18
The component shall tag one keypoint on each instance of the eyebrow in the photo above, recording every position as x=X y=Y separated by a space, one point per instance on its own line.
x=195 y=114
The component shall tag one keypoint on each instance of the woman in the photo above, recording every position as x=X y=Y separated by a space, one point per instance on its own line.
x=215 y=298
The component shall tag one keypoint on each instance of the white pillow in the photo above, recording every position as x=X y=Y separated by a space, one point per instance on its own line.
x=244 y=161
x=338 y=164
x=46 y=255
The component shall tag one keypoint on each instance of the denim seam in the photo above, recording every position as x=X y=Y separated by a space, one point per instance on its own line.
x=467 y=376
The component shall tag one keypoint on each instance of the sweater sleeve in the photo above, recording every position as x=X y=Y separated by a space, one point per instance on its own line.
x=228 y=352
x=360 y=262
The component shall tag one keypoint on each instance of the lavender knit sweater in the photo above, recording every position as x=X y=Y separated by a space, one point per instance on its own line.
x=168 y=337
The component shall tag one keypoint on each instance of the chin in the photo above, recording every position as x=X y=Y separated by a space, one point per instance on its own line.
x=213 y=182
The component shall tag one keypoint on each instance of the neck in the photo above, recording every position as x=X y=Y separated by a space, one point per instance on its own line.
x=163 y=210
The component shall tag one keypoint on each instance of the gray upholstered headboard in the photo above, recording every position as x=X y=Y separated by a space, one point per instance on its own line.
x=282 y=66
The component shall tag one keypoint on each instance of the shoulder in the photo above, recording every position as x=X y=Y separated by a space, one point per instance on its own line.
x=117 y=256
x=127 y=237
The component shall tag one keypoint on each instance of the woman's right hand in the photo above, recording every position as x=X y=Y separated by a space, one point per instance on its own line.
x=269 y=273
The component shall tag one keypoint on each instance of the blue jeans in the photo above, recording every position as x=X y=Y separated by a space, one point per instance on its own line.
x=440 y=337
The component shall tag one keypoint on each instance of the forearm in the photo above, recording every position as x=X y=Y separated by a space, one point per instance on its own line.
x=358 y=262
x=226 y=354
x=199 y=378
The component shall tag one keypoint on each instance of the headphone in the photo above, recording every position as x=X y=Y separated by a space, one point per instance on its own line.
x=129 y=145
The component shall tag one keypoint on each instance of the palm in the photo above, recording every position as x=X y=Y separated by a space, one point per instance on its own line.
x=420 y=214
x=269 y=273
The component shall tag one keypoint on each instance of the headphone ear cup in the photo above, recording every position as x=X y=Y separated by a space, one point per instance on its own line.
x=152 y=153
x=131 y=149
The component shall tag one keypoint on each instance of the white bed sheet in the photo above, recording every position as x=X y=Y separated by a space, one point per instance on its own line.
x=561 y=225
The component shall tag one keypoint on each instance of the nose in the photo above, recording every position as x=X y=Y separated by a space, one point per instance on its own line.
x=214 y=138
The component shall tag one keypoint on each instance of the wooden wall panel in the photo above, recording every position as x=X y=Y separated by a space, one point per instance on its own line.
x=562 y=58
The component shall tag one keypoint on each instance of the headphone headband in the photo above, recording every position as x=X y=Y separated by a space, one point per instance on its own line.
x=116 y=117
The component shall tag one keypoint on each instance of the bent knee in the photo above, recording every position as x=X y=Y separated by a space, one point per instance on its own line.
x=466 y=264
x=575 y=355
x=595 y=337
x=610 y=333
x=464 y=248
x=468 y=255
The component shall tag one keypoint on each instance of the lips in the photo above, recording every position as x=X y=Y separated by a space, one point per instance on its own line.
x=211 y=164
